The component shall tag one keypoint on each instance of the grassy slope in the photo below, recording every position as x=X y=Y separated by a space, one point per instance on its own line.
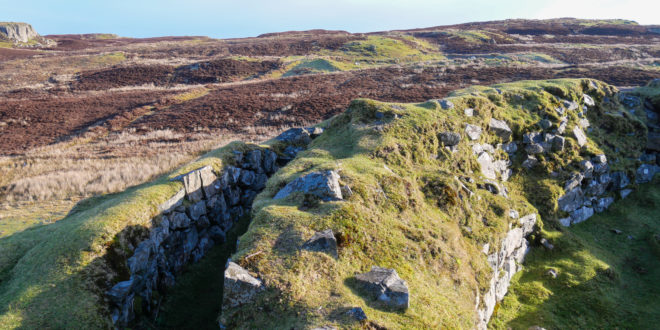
x=47 y=273
x=406 y=212
x=605 y=280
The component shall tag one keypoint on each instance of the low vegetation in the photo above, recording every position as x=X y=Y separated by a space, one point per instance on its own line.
x=607 y=270
x=408 y=210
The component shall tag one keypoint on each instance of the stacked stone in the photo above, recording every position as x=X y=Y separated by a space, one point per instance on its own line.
x=593 y=188
x=505 y=263
x=195 y=219
x=189 y=225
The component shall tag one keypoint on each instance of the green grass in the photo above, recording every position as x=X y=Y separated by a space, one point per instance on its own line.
x=313 y=66
x=48 y=273
x=605 y=280
x=378 y=50
x=607 y=22
x=406 y=212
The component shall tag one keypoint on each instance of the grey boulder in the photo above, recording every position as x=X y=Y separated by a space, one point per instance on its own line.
x=385 y=285
x=446 y=104
x=473 y=132
x=500 y=128
x=579 y=136
x=295 y=136
x=324 y=185
x=240 y=287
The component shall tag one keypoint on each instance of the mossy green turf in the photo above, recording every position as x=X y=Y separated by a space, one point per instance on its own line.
x=605 y=280
x=407 y=210
x=48 y=274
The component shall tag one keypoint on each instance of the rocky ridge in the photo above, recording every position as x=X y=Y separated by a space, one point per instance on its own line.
x=561 y=141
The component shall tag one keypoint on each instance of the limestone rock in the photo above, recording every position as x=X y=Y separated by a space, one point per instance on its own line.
x=299 y=136
x=323 y=241
x=588 y=100
x=192 y=183
x=574 y=181
x=620 y=180
x=385 y=285
x=172 y=203
x=469 y=112
x=18 y=32
x=599 y=159
x=253 y=160
x=563 y=122
x=510 y=147
x=473 y=132
x=587 y=168
x=572 y=200
x=500 y=128
x=581 y=214
x=269 y=161
x=240 y=287
x=446 y=104
x=580 y=136
x=533 y=149
x=545 y=123
x=179 y=221
x=314 y=132
x=570 y=105
x=624 y=193
x=197 y=210
x=527 y=223
x=603 y=204
x=530 y=162
x=558 y=143
x=324 y=185
x=120 y=291
x=487 y=165
x=138 y=262
x=210 y=183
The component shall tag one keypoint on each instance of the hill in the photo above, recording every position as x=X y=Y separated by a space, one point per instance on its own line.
x=104 y=141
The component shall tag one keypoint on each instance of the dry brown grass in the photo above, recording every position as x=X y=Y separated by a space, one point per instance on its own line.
x=44 y=184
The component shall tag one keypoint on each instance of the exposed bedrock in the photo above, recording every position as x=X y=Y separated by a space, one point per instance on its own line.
x=191 y=222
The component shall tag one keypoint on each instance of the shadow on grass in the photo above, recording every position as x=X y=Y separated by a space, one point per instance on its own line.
x=369 y=300
x=605 y=279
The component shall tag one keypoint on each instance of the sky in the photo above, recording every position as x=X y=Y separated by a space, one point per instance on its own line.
x=246 y=18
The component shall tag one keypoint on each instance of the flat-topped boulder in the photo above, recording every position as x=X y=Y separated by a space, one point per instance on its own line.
x=324 y=185
x=240 y=287
x=385 y=285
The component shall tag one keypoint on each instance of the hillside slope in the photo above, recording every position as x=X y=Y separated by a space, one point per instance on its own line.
x=426 y=203
x=417 y=195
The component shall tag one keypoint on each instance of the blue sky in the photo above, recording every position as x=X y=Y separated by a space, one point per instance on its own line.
x=228 y=19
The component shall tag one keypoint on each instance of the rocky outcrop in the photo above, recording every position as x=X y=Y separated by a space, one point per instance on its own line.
x=239 y=287
x=505 y=263
x=385 y=285
x=195 y=219
x=324 y=185
x=18 y=32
